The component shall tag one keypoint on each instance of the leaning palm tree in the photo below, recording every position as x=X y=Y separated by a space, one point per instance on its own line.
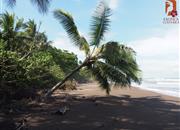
x=110 y=63
x=41 y=4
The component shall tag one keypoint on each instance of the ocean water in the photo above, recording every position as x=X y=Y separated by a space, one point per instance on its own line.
x=169 y=87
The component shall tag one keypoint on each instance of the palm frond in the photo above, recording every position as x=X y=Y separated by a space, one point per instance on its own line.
x=31 y=28
x=7 y=21
x=122 y=58
x=100 y=23
x=42 y=5
x=10 y=3
x=85 y=45
x=68 y=24
x=19 y=24
x=114 y=74
x=100 y=77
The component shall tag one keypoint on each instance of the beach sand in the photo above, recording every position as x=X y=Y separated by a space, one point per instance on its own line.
x=91 y=109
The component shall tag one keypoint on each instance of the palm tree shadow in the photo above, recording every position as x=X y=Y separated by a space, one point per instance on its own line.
x=115 y=113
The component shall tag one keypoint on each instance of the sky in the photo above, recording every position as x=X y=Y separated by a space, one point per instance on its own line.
x=135 y=23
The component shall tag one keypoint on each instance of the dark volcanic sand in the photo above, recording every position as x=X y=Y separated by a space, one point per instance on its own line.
x=91 y=109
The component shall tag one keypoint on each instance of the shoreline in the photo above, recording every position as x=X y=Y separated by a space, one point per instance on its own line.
x=166 y=93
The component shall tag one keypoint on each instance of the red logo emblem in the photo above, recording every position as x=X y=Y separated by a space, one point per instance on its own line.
x=171 y=8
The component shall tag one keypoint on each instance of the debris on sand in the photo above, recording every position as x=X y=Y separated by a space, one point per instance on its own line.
x=62 y=110
x=93 y=99
x=22 y=125
x=98 y=124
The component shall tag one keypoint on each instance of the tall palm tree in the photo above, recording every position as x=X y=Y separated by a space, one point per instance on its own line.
x=110 y=62
x=20 y=36
x=10 y=28
x=38 y=38
x=31 y=28
x=42 y=5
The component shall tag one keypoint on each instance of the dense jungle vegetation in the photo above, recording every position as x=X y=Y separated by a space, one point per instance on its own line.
x=28 y=61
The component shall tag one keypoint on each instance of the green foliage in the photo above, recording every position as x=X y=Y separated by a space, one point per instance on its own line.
x=27 y=60
x=66 y=61
x=83 y=76
x=57 y=72
x=42 y=68
x=11 y=71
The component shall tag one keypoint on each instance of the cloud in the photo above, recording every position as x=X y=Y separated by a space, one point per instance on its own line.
x=159 y=55
x=158 y=46
x=64 y=43
x=113 y=4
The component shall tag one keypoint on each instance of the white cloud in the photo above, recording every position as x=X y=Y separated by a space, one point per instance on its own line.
x=64 y=43
x=113 y=4
x=158 y=55
x=156 y=46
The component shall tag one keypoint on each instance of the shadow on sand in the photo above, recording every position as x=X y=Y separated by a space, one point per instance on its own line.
x=108 y=113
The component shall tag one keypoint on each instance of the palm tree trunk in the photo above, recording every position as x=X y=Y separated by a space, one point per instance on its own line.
x=59 y=85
